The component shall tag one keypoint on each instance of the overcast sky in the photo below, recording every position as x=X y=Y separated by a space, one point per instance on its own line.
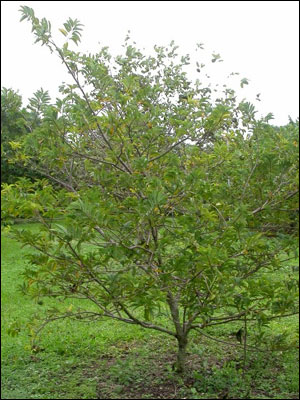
x=259 y=39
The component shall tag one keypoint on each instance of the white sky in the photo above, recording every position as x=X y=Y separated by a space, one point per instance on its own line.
x=259 y=39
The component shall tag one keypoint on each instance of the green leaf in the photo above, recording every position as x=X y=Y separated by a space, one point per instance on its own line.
x=65 y=33
x=243 y=82
x=216 y=57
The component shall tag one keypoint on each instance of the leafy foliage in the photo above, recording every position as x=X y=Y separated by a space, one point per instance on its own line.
x=16 y=122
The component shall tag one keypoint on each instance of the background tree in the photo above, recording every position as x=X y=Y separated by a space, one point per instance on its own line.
x=168 y=197
x=13 y=126
x=16 y=122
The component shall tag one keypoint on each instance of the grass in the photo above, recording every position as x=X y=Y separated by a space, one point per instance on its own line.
x=109 y=360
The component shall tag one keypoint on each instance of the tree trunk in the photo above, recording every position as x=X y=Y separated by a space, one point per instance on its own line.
x=179 y=365
x=181 y=333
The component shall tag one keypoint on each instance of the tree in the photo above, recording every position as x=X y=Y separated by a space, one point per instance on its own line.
x=167 y=197
x=15 y=123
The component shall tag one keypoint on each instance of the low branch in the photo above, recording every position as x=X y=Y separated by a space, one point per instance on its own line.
x=145 y=324
x=253 y=348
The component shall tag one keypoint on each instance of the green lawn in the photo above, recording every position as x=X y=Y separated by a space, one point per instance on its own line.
x=110 y=360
